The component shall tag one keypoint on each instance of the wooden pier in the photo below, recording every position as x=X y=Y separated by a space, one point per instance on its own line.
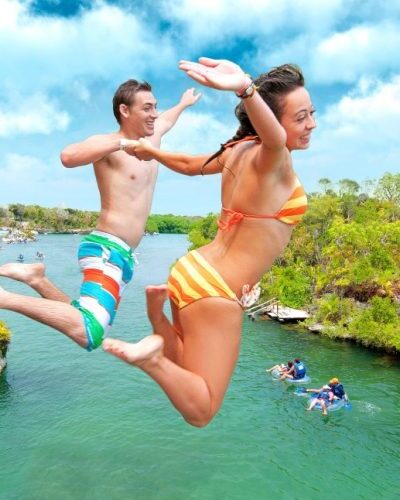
x=275 y=310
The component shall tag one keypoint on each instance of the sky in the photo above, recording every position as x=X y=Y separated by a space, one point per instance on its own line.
x=61 y=62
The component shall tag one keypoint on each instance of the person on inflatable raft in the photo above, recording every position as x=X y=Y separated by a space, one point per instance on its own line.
x=297 y=371
x=327 y=394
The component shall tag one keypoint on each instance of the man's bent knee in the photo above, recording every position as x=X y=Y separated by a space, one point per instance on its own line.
x=92 y=331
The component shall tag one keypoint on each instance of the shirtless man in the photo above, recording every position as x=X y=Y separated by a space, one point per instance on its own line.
x=126 y=187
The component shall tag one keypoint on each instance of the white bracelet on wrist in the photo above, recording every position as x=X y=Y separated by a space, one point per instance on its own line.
x=123 y=143
x=248 y=89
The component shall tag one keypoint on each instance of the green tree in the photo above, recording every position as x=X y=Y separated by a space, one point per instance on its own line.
x=348 y=187
x=388 y=188
x=326 y=185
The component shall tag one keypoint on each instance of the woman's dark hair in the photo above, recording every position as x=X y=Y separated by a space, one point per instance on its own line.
x=290 y=364
x=125 y=94
x=273 y=87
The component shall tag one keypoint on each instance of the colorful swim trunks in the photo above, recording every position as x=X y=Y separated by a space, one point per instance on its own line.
x=107 y=264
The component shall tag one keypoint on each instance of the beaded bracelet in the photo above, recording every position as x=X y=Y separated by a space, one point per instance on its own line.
x=247 y=91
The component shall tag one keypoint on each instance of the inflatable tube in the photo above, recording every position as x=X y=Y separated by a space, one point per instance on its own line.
x=336 y=405
x=305 y=380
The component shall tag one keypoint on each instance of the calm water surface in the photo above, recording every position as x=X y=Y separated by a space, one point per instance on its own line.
x=75 y=425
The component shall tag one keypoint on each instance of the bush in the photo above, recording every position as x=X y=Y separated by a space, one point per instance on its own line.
x=5 y=337
x=5 y=334
x=334 y=309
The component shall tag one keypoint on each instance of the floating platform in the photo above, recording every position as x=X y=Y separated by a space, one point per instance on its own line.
x=275 y=310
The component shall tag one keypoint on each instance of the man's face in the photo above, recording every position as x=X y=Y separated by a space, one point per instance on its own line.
x=143 y=113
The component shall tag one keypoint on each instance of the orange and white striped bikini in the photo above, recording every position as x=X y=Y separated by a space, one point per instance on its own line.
x=291 y=212
x=192 y=278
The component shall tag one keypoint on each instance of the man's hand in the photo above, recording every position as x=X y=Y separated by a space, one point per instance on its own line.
x=130 y=147
x=189 y=97
x=141 y=149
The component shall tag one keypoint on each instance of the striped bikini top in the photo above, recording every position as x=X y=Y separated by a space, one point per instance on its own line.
x=291 y=213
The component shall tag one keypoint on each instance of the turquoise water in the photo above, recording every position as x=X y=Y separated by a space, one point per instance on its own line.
x=75 y=425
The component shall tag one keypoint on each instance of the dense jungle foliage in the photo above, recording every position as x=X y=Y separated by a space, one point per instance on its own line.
x=343 y=261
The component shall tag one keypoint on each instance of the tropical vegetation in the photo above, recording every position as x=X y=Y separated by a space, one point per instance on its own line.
x=60 y=220
x=343 y=262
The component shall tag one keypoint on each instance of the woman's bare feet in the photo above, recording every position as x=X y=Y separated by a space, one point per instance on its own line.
x=156 y=295
x=26 y=273
x=147 y=350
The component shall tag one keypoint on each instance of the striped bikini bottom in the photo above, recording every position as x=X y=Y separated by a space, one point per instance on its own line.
x=107 y=264
x=192 y=278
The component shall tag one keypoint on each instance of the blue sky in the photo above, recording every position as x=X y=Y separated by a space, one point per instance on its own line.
x=63 y=60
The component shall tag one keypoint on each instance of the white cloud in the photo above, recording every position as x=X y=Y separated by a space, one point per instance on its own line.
x=341 y=57
x=199 y=133
x=194 y=133
x=358 y=136
x=29 y=180
x=35 y=114
x=16 y=167
x=362 y=50
x=100 y=43
x=10 y=10
x=212 y=21
x=81 y=91
x=371 y=112
x=187 y=195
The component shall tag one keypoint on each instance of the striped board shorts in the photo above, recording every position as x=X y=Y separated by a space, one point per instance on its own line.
x=107 y=264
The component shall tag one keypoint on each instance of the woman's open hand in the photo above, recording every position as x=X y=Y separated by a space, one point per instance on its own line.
x=216 y=73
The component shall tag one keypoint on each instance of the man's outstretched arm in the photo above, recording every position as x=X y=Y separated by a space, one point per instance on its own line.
x=90 y=150
x=168 y=118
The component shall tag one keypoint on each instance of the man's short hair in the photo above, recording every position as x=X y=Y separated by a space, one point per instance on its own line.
x=125 y=94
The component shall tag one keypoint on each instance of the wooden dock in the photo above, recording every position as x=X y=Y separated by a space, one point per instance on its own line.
x=275 y=310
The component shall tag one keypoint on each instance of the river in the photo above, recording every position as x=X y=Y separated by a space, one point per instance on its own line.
x=75 y=425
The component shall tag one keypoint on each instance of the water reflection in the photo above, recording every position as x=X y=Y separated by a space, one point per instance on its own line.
x=5 y=387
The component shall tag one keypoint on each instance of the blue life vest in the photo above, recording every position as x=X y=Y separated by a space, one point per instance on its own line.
x=299 y=370
x=338 y=390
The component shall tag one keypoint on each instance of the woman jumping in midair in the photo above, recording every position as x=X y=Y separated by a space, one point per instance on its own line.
x=262 y=200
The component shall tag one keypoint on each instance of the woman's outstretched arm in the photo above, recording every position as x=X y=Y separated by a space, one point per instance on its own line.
x=178 y=162
x=226 y=75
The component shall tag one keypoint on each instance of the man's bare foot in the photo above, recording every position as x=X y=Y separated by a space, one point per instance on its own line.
x=27 y=273
x=156 y=295
x=147 y=350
